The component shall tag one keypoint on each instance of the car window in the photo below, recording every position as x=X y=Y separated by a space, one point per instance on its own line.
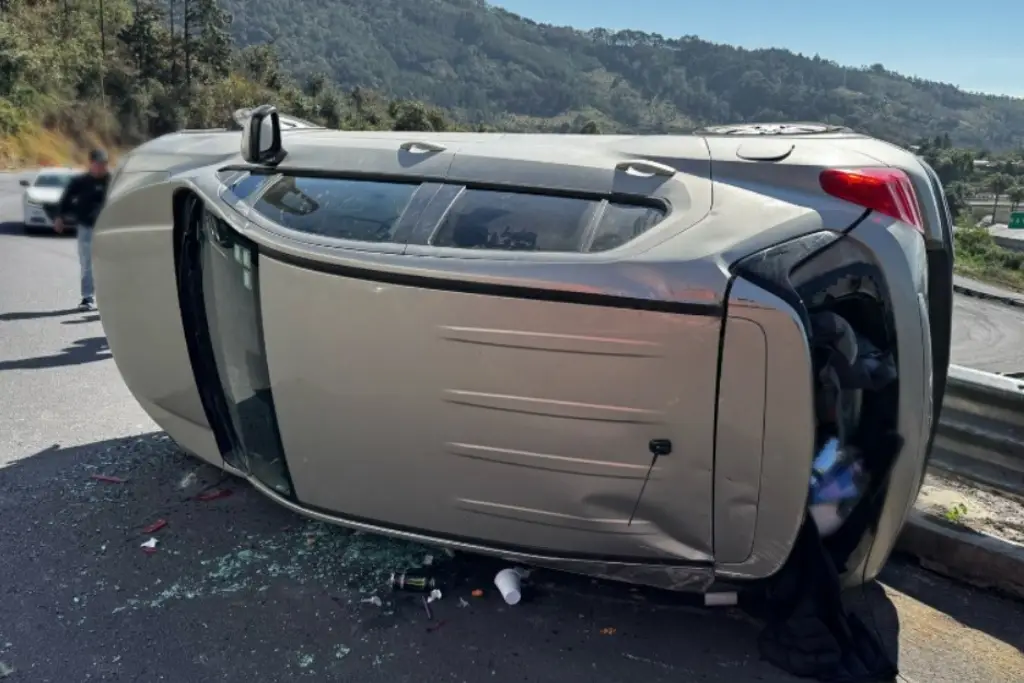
x=245 y=184
x=361 y=210
x=621 y=223
x=52 y=180
x=490 y=219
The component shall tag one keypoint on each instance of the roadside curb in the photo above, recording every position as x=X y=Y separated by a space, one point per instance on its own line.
x=962 y=554
x=1005 y=299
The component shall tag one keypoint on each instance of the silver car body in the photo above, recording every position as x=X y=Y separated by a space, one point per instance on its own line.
x=42 y=195
x=513 y=402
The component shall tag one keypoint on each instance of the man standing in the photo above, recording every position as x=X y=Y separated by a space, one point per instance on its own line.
x=83 y=199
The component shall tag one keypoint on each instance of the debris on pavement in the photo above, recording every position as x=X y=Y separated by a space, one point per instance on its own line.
x=412 y=582
x=507 y=582
x=477 y=593
x=5 y=670
x=150 y=545
x=426 y=608
x=463 y=603
x=608 y=631
x=155 y=526
x=838 y=481
x=428 y=560
x=109 y=479
x=353 y=566
x=215 y=494
x=375 y=601
x=434 y=595
x=188 y=480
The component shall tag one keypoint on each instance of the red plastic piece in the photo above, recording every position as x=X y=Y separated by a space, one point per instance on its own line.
x=109 y=479
x=155 y=526
x=213 y=495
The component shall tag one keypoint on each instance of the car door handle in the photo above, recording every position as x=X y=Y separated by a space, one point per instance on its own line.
x=643 y=167
x=421 y=147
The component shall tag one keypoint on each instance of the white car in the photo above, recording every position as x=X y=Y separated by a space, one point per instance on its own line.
x=42 y=196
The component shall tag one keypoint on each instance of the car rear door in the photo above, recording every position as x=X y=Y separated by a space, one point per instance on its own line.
x=524 y=395
x=563 y=386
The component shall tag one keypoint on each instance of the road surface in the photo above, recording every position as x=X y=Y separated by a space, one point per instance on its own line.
x=240 y=590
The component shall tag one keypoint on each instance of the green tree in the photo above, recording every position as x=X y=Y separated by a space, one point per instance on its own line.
x=590 y=128
x=207 y=38
x=957 y=194
x=1016 y=195
x=167 y=64
x=492 y=67
x=145 y=39
x=998 y=183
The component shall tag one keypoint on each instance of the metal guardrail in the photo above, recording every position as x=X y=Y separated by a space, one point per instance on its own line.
x=981 y=431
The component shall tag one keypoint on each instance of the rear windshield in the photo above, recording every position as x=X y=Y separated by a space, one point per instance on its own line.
x=52 y=180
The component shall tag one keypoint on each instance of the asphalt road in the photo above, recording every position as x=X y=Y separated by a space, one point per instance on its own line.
x=240 y=590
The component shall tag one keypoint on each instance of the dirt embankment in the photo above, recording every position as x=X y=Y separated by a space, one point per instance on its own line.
x=35 y=146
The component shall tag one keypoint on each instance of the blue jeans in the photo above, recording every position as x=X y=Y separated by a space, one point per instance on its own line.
x=85 y=260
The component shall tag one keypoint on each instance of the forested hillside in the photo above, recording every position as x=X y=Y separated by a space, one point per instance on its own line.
x=493 y=66
x=125 y=70
x=122 y=71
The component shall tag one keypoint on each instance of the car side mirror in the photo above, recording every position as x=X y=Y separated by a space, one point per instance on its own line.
x=261 y=137
x=23 y=182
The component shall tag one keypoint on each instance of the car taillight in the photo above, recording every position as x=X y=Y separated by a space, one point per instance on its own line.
x=888 y=191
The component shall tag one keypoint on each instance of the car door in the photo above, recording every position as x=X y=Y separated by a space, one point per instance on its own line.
x=220 y=280
x=521 y=400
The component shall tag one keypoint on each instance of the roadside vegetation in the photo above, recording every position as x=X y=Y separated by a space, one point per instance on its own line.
x=979 y=257
x=74 y=75
x=118 y=72
x=488 y=65
x=979 y=184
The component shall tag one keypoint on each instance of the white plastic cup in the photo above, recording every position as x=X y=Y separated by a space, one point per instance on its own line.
x=507 y=582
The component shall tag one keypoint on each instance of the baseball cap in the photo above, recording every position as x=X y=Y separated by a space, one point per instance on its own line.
x=98 y=156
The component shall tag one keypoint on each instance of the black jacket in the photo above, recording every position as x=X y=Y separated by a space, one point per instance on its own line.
x=83 y=199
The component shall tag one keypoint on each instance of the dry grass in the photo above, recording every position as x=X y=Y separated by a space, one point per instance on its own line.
x=36 y=146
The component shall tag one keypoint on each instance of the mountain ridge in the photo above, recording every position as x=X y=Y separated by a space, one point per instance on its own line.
x=489 y=65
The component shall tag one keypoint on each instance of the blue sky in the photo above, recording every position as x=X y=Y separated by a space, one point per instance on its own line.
x=976 y=45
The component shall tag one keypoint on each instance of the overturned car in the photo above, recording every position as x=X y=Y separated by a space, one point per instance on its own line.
x=648 y=358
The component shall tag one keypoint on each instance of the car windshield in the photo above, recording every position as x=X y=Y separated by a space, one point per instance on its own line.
x=52 y=180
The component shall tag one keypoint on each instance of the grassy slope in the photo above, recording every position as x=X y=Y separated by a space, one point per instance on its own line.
x=36 y=146
x=979 y=257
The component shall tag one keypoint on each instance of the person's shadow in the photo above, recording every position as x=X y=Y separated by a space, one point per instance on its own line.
x=86 y=350
x=94 y=318
x=35 y=315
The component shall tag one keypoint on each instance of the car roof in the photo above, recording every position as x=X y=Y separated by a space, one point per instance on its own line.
x=56 y=170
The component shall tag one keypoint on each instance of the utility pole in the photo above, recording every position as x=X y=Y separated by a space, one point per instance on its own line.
x=174 y=54
x=186 y=35
x=103 y=67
